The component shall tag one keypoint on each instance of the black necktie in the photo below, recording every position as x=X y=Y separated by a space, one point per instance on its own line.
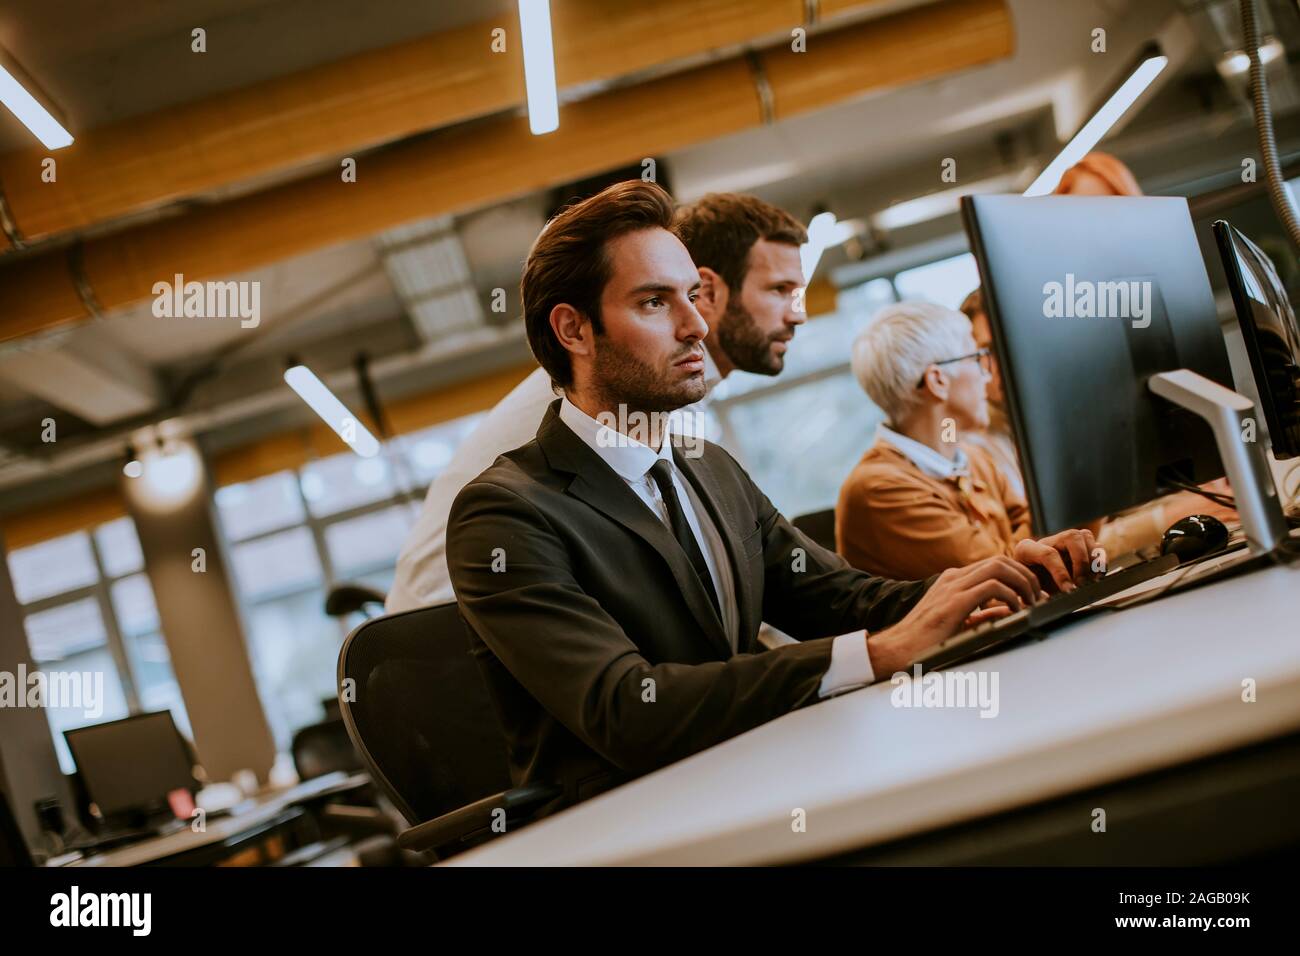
x=663 y=477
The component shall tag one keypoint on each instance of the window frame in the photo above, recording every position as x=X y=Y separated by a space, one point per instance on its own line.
x=101 y=591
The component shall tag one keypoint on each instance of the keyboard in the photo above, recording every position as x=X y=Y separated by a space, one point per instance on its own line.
x=116 y=838
x=976 y=640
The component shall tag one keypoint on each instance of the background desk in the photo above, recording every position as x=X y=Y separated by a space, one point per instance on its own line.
x=1105 y=698
x=269 y=813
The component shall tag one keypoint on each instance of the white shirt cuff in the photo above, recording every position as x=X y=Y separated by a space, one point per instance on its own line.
x=850 y=665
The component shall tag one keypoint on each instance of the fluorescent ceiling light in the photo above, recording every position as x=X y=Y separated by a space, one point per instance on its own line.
x=942 y=203
x=824 y=232
x=539 y=66
x=1096 y=128
x=172 y=476
x=726 y=180
x=31 y=113
x=333 y=412
x=1236 y=62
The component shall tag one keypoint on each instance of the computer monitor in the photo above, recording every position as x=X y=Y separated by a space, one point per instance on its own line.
x=1088 y=297
x=1271 y=336
x=129 y=766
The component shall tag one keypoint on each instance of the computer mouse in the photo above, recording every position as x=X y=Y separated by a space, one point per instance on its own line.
x=1193 y=537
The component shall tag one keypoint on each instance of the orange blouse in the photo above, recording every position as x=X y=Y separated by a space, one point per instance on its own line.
x=894 y=520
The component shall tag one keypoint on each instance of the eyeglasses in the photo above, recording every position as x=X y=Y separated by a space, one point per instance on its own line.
x=985 y=357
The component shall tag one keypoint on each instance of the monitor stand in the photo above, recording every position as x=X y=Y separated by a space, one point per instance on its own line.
x=1226 y=412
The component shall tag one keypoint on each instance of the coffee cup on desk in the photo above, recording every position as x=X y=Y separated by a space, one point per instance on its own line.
x=246 y=781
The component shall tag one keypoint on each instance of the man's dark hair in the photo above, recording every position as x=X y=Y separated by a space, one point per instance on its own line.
x=719 y=229
x=568 y=263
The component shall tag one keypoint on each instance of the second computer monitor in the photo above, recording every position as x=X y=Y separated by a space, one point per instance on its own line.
x=1088 y=297
x=1271 y=336
x=130 y=765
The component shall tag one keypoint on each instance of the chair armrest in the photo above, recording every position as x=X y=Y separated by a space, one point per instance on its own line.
x=455 y=826
x=346 y=598
x=357 y=819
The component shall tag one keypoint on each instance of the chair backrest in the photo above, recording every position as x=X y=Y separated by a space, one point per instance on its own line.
x=421 y=718
x=818 y=525
x=323 y=748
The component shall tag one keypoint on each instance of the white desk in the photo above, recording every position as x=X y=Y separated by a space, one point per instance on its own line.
x=1105 y=698
x=267 y=809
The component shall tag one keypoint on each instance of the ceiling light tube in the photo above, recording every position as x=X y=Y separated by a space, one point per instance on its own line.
x=30 y=112
x=539 y=66
x=1096 y=128
x=332 y=412
x=1237 y=62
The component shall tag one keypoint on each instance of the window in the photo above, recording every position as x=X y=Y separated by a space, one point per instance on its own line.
x=369 y=542
x=865 y=300
x=261 y=505
x=800 y=442
x=295 y=534
x=346 y=481
x=281 y=585
x=72 y=639
x=88 y=610
x=946 y=282
x=52 y=567
x=295 y=651
x=278 y=563
x=119 y=548
x=429 y=451
x=137 y=618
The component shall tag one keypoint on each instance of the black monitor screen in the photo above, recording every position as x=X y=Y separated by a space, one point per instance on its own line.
x=131 y=764
x=1268 y=326
x=1088 y=297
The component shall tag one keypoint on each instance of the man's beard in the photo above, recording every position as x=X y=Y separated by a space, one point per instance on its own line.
x=748 y=348
x=623 y=378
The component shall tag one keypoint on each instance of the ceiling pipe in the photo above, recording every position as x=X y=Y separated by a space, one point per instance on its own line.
x=274 y=399
x=464 y=167
x=356 y=104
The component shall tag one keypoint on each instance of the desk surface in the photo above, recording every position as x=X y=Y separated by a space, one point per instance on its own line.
x=266 y=810
x=1105 y=697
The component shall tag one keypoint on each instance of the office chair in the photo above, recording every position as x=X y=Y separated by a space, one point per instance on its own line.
x=818 y=525
x=419 y=715
x=326 y=747
x=344 y=599
x=323 y=748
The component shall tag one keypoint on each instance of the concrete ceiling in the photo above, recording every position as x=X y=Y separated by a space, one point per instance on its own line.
x=858 y=157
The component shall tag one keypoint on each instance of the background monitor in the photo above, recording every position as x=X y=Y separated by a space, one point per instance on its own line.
x=1093 y=440
x=1270 y=333
x=129 y=766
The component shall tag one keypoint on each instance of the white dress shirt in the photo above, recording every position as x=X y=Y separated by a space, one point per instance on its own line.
x=422 y=578
x=931 y=462
x=631 y=460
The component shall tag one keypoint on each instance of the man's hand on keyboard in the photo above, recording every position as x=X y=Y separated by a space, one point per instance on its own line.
x=959 y=598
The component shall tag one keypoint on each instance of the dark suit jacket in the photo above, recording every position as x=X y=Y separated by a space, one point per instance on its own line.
x=577 y=597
